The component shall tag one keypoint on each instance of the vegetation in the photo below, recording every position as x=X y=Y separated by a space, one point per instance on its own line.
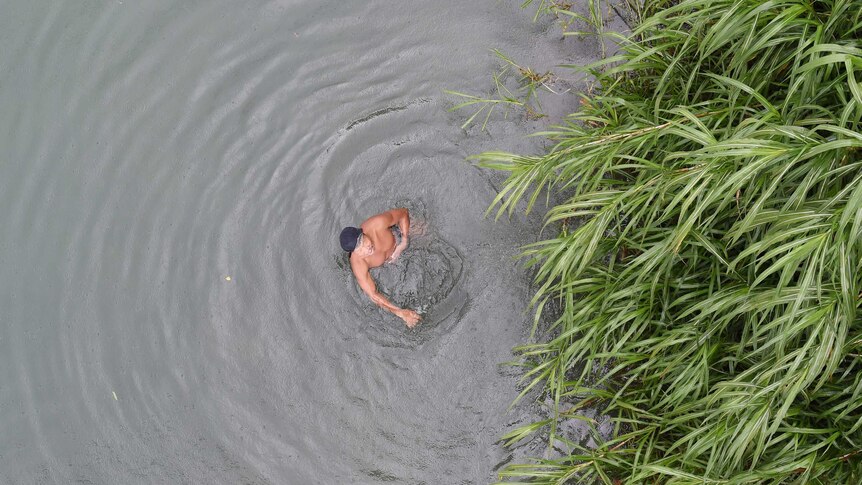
x=524 y=96
x=707 y=273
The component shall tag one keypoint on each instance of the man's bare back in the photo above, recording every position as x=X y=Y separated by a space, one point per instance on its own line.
x=372 y=245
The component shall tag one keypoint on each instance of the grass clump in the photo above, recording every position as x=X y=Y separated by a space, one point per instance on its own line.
x=525 y=96
x=709 y=264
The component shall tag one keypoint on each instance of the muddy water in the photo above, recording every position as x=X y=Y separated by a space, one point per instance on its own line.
x=174 y=307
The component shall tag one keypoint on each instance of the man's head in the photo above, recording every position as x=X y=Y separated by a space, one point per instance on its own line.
x=349 y=238
x=352 y=239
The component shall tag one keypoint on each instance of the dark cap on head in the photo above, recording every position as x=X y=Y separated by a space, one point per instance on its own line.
x=349 y=237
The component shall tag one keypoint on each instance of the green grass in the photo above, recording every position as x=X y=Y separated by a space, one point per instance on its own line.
x=523 y=96
x=708 y=264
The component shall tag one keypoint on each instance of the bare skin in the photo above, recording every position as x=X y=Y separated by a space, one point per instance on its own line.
x=376 y=247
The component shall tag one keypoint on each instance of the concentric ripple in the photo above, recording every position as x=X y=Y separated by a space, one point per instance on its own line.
x=427 y=278
x=173 y=177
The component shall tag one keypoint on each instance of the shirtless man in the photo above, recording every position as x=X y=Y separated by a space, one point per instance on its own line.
x=372 y=244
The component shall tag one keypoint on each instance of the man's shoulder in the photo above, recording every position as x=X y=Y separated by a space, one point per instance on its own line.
x=359 y=260
x=377 y=222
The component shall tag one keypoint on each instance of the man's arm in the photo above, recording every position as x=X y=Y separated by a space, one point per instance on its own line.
x=366 y=282
x=401 y=218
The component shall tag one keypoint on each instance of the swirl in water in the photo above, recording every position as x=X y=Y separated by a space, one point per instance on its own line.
x=176 y=309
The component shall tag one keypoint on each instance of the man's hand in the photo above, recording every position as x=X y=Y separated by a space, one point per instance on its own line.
x=398 y=250
x=410 y=317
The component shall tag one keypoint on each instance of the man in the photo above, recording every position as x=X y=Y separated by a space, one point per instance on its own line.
x=371 y=245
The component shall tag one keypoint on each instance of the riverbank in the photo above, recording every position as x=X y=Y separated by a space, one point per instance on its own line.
x=707 y=266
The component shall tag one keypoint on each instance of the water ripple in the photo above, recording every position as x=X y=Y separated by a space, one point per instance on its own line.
x=176 y=305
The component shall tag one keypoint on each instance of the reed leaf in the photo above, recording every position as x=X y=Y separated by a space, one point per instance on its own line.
x=706 y=273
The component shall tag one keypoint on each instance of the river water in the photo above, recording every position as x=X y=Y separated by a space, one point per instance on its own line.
x=174 y=307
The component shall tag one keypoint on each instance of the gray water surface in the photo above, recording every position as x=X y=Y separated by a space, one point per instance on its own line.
x=150 y=149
